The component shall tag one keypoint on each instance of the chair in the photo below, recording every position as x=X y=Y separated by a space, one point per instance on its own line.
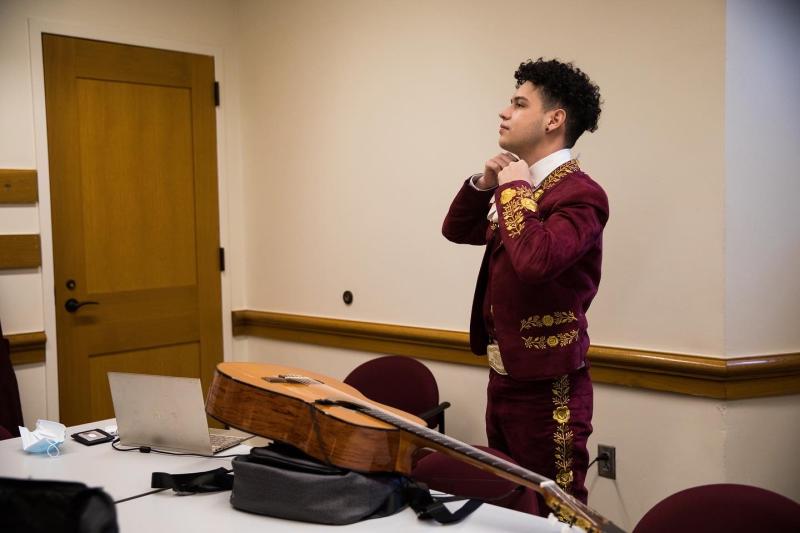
x=441 y=472
x=403 y=383
x=10 y=407
x=722 y=507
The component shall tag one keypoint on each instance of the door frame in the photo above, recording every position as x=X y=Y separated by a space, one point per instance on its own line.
x=36 y=27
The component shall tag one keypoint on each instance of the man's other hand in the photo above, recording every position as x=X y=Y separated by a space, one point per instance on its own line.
x=516 y=171
x=492 y=168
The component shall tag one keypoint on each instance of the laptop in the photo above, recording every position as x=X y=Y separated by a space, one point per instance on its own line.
x=165 y=413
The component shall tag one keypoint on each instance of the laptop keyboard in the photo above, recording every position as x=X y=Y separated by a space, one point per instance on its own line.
x=223 y=442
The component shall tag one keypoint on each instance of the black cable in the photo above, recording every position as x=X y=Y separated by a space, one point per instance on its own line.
x=148 y=449
x=138 y=495
x=602 y=457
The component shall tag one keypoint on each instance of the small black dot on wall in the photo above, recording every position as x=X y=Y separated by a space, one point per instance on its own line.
x=347 y=297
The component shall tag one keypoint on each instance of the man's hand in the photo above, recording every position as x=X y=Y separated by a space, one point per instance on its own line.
x=518 y=170
x=492 y=168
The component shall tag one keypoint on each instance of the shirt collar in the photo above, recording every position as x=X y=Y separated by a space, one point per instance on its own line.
x=543 y=167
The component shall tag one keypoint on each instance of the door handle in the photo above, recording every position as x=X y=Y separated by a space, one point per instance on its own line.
x=73 y=305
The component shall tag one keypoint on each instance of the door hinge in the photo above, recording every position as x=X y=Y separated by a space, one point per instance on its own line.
x=216 y=94
x=222 y=259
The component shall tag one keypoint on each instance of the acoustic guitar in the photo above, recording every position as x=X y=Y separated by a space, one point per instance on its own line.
x=338 y=425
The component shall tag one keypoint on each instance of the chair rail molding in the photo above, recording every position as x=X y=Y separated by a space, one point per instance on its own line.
x=696 y=375
x=18 y=187
x=27 y=348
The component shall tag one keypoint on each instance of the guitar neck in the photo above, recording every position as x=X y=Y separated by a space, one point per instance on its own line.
x=561 y=502
x=451 y=446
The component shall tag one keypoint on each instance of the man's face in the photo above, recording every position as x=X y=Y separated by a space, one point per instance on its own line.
x=523 y=120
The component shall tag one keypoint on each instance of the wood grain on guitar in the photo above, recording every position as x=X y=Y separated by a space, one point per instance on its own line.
x=336 y=424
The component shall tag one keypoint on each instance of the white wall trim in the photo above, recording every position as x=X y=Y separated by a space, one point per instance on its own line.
x=36 y=27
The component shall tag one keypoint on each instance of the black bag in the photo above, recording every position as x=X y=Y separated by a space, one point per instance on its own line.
x=281 y=481
x=34 y=506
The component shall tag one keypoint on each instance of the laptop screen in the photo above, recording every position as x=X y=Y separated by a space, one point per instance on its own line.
x=163 y=412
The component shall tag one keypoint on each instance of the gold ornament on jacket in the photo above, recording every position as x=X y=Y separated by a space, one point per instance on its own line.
x=516 y=200
x=561 y=414
x=551 y=341
x=507 y=195
x=511 y=200
x=545 y=321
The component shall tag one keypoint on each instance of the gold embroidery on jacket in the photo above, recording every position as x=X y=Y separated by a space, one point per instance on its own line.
x=544 y=341
x=507 y=195
x=512 y=201
x=554 y=177
x=515 y=200
x=545 y=321
x=563 y=436
x=529 y=204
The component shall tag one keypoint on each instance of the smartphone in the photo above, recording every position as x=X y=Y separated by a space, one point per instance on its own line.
x=90 y=437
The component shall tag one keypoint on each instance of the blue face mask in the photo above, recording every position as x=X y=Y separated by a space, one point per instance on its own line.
x=46 y=438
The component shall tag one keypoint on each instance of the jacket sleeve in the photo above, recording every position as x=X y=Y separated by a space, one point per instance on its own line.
x=466 y=221
x=540 y=250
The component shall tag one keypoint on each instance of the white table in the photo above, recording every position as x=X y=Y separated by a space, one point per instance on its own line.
x=127 y=474
x=212 y=513
x=121 y=474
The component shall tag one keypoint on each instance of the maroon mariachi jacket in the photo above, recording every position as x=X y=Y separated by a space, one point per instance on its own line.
x=540 y=271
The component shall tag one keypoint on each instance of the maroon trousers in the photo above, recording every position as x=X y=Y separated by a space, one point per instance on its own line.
x=544 y=425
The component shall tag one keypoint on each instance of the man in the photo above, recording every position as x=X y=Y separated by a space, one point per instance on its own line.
x=541 y=219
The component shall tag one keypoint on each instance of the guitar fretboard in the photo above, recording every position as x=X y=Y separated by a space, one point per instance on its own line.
x=450 y=443
x=479 y=455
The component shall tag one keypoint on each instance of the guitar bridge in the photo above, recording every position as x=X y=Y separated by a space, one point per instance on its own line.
x=292 y=378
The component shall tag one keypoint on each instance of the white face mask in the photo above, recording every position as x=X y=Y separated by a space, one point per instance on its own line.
x=46 y=438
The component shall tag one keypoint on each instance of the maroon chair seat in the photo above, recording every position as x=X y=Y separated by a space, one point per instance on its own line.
x=446 y=474
x=403 y=383
x=722 y=507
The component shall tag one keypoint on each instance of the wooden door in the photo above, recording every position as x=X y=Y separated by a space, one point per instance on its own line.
x=133 y=182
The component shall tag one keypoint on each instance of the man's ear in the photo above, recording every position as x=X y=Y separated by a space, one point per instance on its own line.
x=555 y=119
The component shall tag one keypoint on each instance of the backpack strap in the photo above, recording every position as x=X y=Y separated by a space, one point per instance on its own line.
x=209 y=481
x=427 y=506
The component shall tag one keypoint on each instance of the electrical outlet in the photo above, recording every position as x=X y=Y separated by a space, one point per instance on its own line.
x=608 y=467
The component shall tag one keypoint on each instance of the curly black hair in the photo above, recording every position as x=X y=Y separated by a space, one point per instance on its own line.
x=564 y=85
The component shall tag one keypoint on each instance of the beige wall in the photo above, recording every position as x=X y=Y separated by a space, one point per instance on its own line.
x=762 y=437
x=205 y=27
x=762 y=129
x=32 y=384
x=364 y=117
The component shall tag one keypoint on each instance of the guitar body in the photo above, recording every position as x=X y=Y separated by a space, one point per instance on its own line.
x=241 y=397
x=336 y=424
